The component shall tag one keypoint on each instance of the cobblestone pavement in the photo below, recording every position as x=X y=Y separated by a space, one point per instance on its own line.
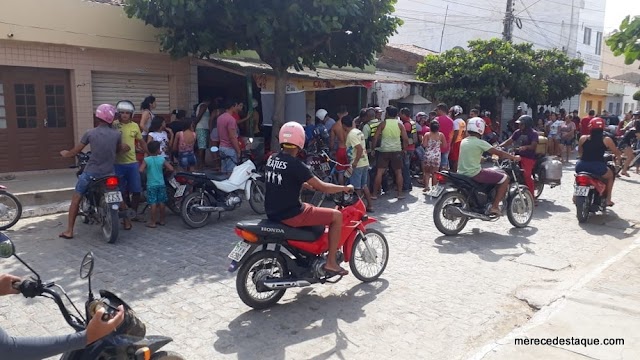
x=440 y=297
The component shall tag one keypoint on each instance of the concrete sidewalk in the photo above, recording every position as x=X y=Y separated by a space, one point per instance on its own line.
x=605 y=304
x=41 y=193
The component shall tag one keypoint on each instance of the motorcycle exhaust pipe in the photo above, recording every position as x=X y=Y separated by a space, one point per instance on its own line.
x=208 y=209
x=284 y=284
x=458 y=212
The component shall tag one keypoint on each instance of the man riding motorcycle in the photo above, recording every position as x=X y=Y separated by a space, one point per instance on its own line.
x=591 y=149
x=631 y=137
x=26 y=348
x=527 y=139
x=285 y=176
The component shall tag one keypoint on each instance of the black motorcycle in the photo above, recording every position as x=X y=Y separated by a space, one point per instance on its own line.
x=128 y=341
x=460 y=198
x=101 y=203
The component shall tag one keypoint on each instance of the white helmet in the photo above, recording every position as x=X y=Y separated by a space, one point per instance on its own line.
x=321 y=114
x=476 y=125
x=456 y=110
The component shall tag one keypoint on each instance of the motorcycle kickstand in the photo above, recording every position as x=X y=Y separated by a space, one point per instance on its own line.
x=326 y=280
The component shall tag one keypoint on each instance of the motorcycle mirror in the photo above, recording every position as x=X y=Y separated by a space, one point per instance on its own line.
x=7 y=249
x=214 y=149
x=86 y=267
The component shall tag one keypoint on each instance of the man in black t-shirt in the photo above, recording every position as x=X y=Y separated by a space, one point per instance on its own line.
x=285 y=175
x=632 y=136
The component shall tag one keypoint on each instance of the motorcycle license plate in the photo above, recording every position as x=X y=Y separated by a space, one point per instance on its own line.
x=581 y=191
x=239 y=250
x=113 y=197
x=436 y=191
x=174 y=183
x=325 y=166
x=180 y=190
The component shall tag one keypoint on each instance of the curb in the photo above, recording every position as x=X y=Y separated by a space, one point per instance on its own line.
x=44 y=197
x=47 y=209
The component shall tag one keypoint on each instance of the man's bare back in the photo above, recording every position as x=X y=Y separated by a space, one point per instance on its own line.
x=338 y=134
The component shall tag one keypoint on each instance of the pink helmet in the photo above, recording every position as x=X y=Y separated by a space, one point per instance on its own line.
x=106 y=113
x=292 y=133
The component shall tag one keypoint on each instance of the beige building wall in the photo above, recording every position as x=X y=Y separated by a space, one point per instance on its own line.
x=82 y=61
x=77 y=23
x=614 y=65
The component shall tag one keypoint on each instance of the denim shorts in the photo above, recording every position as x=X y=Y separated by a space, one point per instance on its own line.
x=444 y=160
x=187 y=159
x=228 y=164
x=360 y=177
x=156 y=195
x=129 y=175
x=593 y=167
x=84 y=180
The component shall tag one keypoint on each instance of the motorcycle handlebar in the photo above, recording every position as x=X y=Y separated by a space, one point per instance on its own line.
x=30 y=289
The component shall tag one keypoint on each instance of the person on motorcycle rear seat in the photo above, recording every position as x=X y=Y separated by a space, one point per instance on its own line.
x=632 y=136
x=527 y=139
x=591 y=150
x=285 y=176
x=26 y=348
x=105 y=143
x=471 y=149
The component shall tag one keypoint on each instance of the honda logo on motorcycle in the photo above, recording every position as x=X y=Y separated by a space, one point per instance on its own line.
x=272 y=230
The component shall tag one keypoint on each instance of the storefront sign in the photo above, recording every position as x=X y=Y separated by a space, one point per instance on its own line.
x=266 y=83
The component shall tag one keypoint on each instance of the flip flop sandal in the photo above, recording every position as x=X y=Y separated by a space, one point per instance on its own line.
x=151 y=226
x=137 y=219
x=162 y=224
x=65 y=236
x=127 y=227
x=332 y=273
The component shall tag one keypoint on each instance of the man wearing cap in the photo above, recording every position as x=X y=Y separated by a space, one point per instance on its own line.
x=584 y=123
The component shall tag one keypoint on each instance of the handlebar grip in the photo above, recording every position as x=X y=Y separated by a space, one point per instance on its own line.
x=29 y=288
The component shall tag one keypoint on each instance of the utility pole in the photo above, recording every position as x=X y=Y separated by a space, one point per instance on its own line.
x=443 y=26
x=508 y=22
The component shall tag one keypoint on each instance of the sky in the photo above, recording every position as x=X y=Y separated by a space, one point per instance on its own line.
x=616 y=10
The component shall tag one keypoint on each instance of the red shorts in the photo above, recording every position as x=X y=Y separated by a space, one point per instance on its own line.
x=454 y=155
x=341 y=157
x=311 y=216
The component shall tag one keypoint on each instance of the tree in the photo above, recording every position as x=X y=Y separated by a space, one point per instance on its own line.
x=284 y=33
x=626 y=40
x=493 y=69
x=636 y=96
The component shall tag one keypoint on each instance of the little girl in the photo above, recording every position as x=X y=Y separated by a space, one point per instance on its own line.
x=154 y=167
x=433 y=143
x=183 y=144
x=157 y=133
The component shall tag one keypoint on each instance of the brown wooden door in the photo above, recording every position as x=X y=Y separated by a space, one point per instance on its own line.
x=39 y=118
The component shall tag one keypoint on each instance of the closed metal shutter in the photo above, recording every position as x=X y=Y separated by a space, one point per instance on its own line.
x=109 y=88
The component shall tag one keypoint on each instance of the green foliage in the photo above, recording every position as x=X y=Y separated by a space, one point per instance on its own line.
x=626 y=41
x=284 y=33
x=636 y=96
x=495 y=68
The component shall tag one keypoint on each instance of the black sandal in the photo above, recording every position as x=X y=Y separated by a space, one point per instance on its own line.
x=332 y=273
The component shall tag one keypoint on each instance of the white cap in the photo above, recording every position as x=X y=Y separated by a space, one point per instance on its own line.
x=321 y=114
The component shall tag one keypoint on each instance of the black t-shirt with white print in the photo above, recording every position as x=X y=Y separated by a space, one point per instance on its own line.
x=284 y=176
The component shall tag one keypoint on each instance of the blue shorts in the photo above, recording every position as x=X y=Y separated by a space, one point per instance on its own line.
x=84 y=180
x=129 y=175
x=228 y=164
x=594 y=167
x=187 y=159
x=156 y=195
x=360 y=177
x=444 y=160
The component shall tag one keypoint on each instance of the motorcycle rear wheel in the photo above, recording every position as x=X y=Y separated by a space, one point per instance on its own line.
x=439 y=218
x=582 y=208
x=362 y=251
x=14 y=210
x=187 y=213
x=514 y=203
x=171 y=201
x=110 y=222
x=166 y=355
x=245 y=278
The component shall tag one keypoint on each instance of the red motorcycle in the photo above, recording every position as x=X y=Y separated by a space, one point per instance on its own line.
x=590 y=192
x=273 y=257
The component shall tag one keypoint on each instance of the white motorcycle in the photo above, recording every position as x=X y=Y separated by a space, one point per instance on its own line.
x=214 y=192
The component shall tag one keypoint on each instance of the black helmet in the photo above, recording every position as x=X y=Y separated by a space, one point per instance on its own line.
x=526 y=120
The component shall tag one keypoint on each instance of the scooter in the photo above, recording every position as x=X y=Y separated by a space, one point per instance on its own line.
x=590 y=192
x=128 y=341
x=219 y=192
x=273 y=257
x=10 y=209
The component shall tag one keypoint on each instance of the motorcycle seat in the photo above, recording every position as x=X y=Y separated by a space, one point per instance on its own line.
x=217 y=176
x=265 y=227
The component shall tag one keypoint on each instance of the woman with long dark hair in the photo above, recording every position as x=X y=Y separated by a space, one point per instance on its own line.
x=147 y=106
x=591 y=149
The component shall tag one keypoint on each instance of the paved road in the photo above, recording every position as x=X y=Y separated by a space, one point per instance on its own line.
x=440 y=297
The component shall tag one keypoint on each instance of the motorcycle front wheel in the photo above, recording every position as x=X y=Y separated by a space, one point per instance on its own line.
x=263 y=265
x=110 y=222
x=10 y=210
x=445 y=222
x=538 y=187
x=369 y=256
x=520 y=209
x=190 y=216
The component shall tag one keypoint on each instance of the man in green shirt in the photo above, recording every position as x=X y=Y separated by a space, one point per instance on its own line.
x=126 y=166
x=393 y=140
x=471 y=149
